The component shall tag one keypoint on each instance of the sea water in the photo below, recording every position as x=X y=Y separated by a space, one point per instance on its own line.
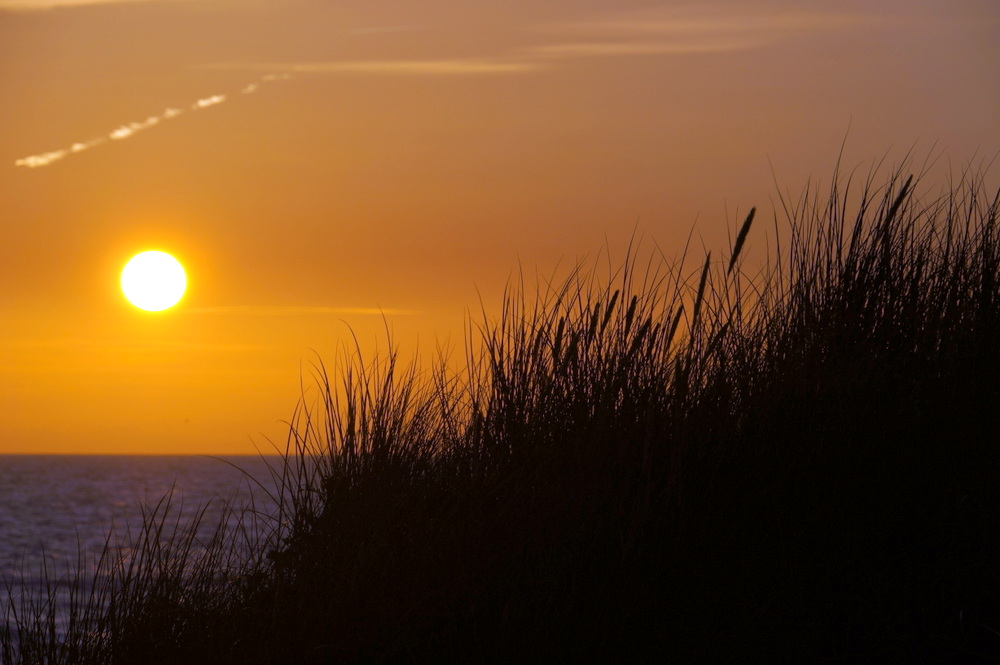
x=55 y=508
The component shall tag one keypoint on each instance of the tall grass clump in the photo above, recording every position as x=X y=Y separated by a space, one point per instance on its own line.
x=129 y=601
x=792 y=464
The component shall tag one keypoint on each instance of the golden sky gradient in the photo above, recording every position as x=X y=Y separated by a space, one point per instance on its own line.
x=312 y=163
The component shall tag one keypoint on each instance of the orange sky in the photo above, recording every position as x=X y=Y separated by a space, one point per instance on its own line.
x=356 y=155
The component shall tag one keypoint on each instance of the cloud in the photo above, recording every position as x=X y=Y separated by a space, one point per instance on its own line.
x=43 y=159
x=129 y=130
x=701 y=20
x=702 y=28
x=596 y=49
x=47 y=158
x=693 y=29
x=391 y=67
x=41 y=5
x=258 y=310
x=80 y=147
x=208 y=101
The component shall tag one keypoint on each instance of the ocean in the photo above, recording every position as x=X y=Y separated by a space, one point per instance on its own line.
x=55 y=507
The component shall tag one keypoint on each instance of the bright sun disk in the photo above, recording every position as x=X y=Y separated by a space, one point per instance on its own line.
x=153 y=281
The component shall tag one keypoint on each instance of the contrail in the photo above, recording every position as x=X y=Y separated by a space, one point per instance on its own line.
x=208 y=101
x=129 y=130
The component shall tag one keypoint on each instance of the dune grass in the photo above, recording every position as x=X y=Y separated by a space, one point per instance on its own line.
x=796 y=464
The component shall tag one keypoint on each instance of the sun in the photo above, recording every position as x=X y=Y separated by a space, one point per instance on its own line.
x=153 y=281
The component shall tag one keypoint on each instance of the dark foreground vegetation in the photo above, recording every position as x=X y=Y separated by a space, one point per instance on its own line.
x=795 y=465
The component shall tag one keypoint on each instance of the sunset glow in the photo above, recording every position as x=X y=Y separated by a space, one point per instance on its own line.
x=485 y=332
x=331 y=171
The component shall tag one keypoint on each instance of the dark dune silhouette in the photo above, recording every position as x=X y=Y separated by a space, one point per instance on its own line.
x=795 y=465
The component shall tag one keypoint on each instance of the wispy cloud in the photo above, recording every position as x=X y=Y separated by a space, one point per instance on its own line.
x=597 y=49
x=693 y=29
x=269 y=310
x=41 y=5
x=391 y=67
x=42 y=159
x=208 y=101
x=130 y=129
x=708 y=20
x=701 y=28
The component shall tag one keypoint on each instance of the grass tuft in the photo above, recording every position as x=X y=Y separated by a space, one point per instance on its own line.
x=805 y=470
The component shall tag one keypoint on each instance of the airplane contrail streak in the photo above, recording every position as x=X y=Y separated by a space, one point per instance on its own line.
x=130 y=130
